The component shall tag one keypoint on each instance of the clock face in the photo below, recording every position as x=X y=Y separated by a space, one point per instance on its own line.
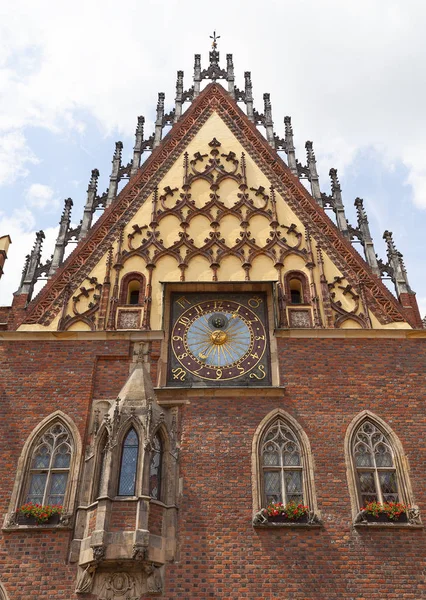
x=219 y=340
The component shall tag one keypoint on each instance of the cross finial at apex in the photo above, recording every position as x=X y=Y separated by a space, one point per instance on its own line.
x=214 y=37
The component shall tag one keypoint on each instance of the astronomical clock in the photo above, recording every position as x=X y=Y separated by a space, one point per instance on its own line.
x=219 y=340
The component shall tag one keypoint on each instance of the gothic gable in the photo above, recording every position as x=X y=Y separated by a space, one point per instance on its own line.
x=214 y=202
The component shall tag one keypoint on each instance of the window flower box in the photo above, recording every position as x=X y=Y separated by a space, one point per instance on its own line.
x=39 y=514
x=277 y=512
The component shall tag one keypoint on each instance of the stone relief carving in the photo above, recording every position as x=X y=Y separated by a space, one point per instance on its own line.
x=119 y=586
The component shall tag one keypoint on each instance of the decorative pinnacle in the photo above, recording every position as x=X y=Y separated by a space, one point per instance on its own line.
x=160 y=103
x=229 y=60
x=361 y=214
x=141 y=123
x=288 y=127
x=118 y=150
x=197 y=60
x=387 y=236
x=335 y=184
x=310 y=154
x=214 y=37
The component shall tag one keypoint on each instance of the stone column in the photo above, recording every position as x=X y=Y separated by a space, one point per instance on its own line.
x=137 y=150
x=159 y=120
x=367 y=240
x=313 y=174
x=90 y=202
x=64 y=223
x=290 y=149
x=114 y=177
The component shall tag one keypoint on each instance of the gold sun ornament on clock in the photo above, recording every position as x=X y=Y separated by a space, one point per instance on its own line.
x=219 y=339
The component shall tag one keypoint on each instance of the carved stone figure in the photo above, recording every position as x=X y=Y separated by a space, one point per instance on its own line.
x=154 y=580
x=119 y=586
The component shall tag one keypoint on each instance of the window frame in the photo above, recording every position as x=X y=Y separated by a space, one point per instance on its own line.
x=309 y=495
x=137 y=466
x=24 y=462
x=400 y=461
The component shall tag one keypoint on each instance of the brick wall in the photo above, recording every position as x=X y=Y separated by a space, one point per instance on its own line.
x=220 y=554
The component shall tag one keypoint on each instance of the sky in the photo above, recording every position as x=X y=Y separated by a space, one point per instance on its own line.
x=75 y=76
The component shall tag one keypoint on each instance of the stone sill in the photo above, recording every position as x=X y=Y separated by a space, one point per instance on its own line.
x=181 y=395
x=292 y=525
x=388 y=525
x=41 y=527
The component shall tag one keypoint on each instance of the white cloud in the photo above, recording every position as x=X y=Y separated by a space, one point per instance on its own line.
x=41 y=196
x=14 y=157
x=349 y=81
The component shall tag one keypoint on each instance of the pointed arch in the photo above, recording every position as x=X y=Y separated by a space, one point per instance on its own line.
x=129 y=463
x=293 y=465
x=377 y=468
x=63 y=448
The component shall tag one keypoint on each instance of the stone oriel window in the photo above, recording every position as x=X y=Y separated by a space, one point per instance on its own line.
x=282 y=468
x=376 y=463
x=129 y=464
x=47 y=469
x=155 y=468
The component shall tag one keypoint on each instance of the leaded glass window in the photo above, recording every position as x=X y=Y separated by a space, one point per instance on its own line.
x=129 y=464
x=374 y=464
x=49 y=468
x=281 y=460
x=155 y=468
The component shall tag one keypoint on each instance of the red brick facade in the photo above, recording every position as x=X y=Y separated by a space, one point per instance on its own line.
x=219 y=553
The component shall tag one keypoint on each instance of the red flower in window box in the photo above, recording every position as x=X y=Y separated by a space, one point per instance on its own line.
x=40 y=513
x=386 y=511
x=277 y=511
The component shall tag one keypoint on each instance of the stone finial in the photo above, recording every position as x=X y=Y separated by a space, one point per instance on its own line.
x=290 y=149
x=159 y=120
x=248 y=95
x=338 y=207
x=197 y=74
x=90 y=202
x=30 y=279
x=313 y=173
x=335 y=183
x=179 y=95
x=269 y=124
x=399 y=276
x=137 y=150
x=114 y=177
x=64 y=223
x=367 y=240
x=230 y=75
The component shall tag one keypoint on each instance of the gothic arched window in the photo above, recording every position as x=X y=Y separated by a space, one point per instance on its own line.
x=281 y=461
x=282 y=465
x=49 y=466
x=129 y=464
x=374 y=464
x=377 y=466
x=155 y=468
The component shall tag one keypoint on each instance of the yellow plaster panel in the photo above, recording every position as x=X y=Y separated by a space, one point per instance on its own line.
x=263 y=269
x=166 y=270
x=230 y=229
x=199 y=229
x=169 y=230
x=199 y=270
x=135 y=264
x=79 y=326
x=230 y=270
x=260 y=229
